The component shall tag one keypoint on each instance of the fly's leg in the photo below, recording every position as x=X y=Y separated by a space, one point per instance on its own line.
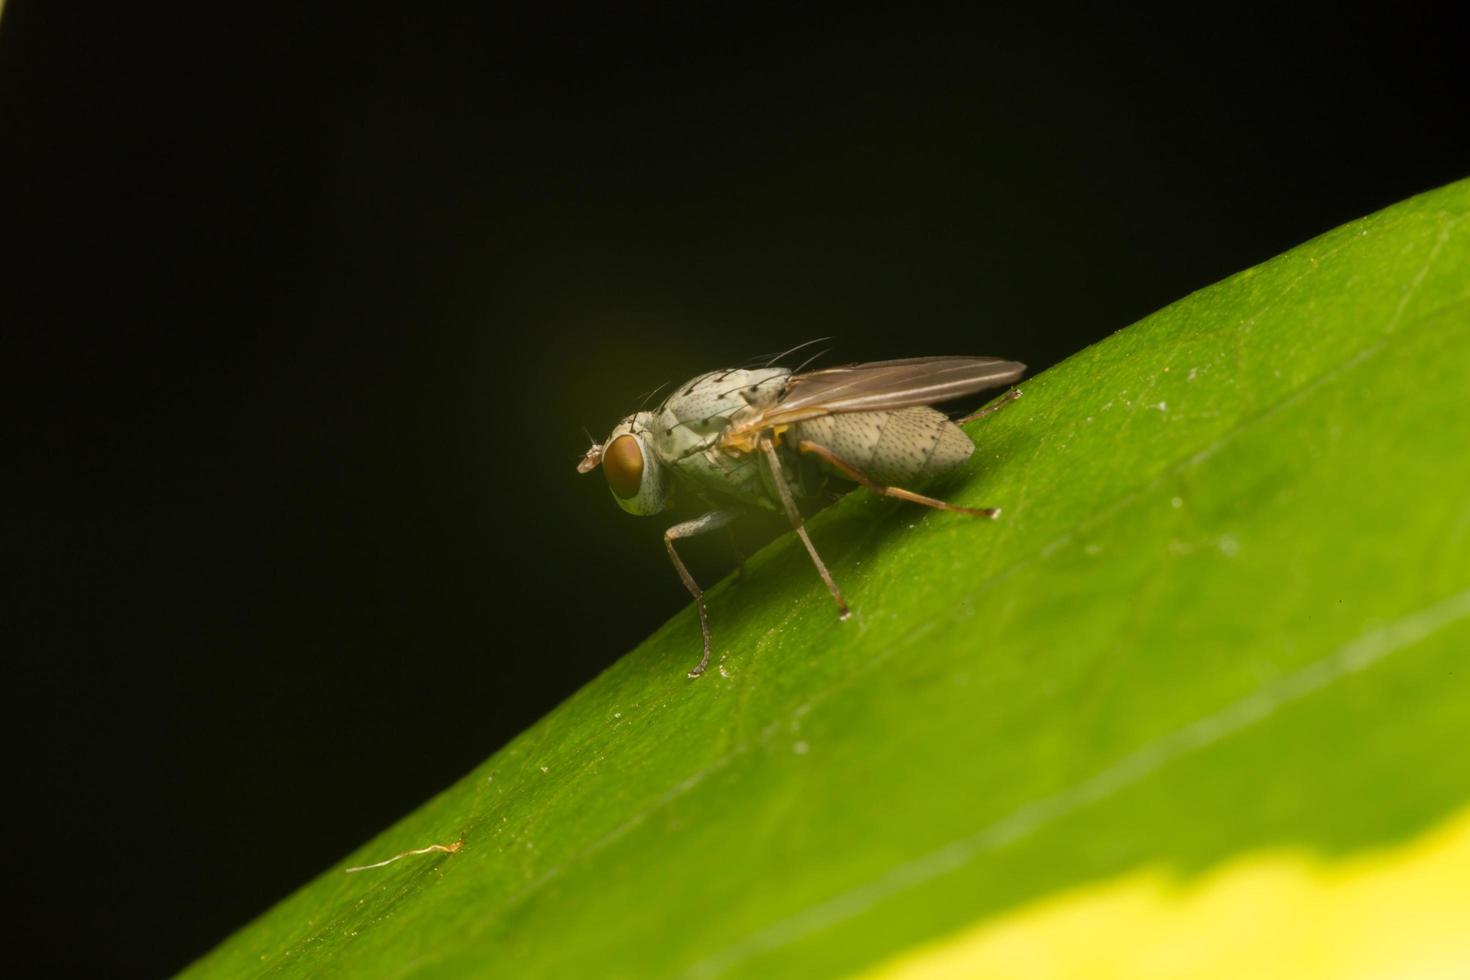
x=852 y=473
x=739 y=551
x=993 y=407
x=709 y=522
x=794 y=516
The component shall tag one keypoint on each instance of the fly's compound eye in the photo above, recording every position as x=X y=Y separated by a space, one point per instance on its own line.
x=622 y=461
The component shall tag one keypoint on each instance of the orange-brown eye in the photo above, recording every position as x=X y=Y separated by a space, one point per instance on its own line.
x=622 y=461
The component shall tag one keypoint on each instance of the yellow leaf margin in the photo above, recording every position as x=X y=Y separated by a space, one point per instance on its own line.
x=1401 y=912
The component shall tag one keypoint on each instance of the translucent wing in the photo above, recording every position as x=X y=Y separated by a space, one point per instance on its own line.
x=882 y=386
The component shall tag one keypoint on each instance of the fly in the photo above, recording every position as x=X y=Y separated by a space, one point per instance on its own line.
x=742 y=437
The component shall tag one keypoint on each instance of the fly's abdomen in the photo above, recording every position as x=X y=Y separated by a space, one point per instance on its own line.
x=902 y=447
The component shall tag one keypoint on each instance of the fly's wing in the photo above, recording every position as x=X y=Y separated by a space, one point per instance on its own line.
x=883 y=386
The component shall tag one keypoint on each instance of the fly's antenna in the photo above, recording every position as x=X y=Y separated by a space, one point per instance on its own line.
x=793 y=350
x=592 y=458
x=802 y=366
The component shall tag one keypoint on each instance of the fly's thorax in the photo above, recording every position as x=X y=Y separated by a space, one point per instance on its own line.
x=686 y=429
x=638 y=479
x=692 y=418
x=909 y=445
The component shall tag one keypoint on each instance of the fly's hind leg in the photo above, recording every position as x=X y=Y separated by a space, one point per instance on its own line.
x=993 y=407
x=709 y=522
x=794 y=515
x=852 y=473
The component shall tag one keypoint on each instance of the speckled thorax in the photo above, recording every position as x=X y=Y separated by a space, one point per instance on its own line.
x=686 y=430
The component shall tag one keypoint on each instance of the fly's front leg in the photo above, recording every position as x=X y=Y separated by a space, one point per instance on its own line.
x=709 y=522
x=794 y=516
x=993 y=407
x=852 y=473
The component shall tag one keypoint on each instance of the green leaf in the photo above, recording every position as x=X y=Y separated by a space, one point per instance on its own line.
x=1226 y=609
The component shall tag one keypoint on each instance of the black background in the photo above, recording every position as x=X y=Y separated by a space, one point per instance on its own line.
x=312 y=304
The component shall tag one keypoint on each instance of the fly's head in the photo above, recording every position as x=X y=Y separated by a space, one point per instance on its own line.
x=634 y=474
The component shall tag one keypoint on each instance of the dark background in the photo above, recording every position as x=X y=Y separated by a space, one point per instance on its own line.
x=311 y=306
